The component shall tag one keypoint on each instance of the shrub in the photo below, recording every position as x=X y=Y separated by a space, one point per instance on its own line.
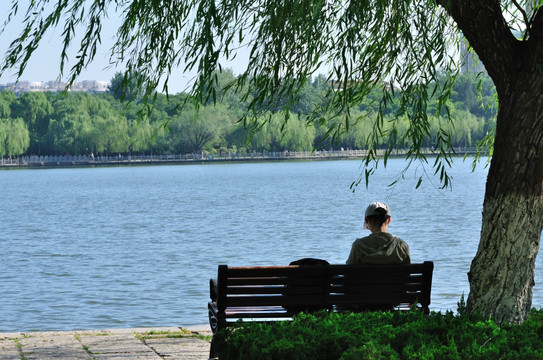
x=383 y=335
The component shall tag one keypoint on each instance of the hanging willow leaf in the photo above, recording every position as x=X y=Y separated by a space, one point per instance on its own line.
x=396 y=47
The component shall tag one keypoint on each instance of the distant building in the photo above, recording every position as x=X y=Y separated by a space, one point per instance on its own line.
x=23 y=86
x=470 y=60
x=91 y=86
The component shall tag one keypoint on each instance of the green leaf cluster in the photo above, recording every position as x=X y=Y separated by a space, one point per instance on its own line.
x=383 y=335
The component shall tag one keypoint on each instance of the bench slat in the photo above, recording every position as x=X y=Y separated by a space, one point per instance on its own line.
x=267 y=271
x=390 y=298
x=367 y=278
x=274 y=280
x=257 y=312
x=373 y=288
x=274 y=300
x=376 y=271
x=318 y=271
x=280 y=290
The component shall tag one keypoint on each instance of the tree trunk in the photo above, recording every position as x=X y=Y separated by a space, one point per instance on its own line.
x=502 y=272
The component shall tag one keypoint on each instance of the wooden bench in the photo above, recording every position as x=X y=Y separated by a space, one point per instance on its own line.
x=278 y=292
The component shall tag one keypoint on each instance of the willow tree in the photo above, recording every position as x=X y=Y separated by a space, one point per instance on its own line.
x=14 y=137
x=397 y=46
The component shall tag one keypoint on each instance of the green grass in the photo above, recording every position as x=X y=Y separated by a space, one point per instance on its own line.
x=171 y=334
x=19 y=347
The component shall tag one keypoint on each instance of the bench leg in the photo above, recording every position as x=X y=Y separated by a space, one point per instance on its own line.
x=213 y=350
x=216 y=323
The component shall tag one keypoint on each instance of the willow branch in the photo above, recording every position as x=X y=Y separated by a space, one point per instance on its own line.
x=524 y=16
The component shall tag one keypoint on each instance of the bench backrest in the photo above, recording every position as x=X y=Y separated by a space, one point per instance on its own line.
x=330 y=286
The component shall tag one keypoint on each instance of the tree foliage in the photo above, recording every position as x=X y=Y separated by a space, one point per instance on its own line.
x=14 y=137
x=397 y=46
x=82 y=123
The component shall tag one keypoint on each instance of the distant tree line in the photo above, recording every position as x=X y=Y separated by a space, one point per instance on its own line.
x=39 y=123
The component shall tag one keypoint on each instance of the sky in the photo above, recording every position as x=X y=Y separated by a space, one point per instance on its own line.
x=45 y=63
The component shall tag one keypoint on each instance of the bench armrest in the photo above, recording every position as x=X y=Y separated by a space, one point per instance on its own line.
x=213 y=289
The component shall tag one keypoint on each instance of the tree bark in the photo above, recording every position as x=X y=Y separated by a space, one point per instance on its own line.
x=502 y=273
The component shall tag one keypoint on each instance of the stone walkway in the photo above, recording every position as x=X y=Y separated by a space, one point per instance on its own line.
x=118 y=344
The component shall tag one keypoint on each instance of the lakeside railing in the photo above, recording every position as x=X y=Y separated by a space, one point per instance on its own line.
x=68 y=160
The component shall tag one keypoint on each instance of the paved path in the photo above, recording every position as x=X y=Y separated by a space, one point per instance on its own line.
x=118 y=344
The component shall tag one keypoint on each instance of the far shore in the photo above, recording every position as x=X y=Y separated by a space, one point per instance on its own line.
x=198 y=158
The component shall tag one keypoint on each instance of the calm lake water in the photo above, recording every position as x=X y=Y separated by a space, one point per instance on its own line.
x=92 y=248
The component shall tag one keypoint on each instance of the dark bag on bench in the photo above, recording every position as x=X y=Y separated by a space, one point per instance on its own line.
x=310 y=261
x=306 y=308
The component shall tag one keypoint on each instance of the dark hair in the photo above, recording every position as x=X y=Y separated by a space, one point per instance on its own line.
x=378 y=219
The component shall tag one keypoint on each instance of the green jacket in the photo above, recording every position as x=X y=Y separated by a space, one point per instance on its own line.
x=379 y=248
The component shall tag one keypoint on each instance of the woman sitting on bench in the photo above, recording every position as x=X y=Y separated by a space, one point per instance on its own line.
x=380 y=247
